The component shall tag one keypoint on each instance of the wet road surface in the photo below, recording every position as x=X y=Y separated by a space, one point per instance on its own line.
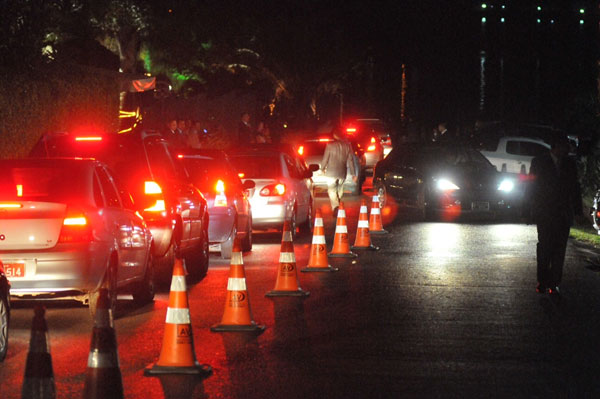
x=442 y=310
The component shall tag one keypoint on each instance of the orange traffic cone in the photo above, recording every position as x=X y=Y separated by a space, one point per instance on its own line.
x=237 y=315
x=177 y=355
x=103 y=376
x=317 y=262
x=375 y=223
x=363 y=239
x=39 y=377
x=341 y=246
x=287 y=277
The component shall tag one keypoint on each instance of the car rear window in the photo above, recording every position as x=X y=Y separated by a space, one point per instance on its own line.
x=43 y=183
x=257 y=167
x=314 y=148
x=205 y=171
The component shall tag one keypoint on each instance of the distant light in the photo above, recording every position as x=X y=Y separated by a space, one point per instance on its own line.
x=539 y=8
x=539 y=21
x=483 y=5
x=551 y=21
x=285 y=125
x=581 y=22
x=582 y=11
x=483 y=20
x=503 y=6
x=502 y=19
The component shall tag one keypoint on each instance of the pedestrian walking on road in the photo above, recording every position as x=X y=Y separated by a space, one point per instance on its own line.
x=337 y=160
x=553 y=199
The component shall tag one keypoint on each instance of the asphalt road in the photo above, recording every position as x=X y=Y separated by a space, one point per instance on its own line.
x=442 y=310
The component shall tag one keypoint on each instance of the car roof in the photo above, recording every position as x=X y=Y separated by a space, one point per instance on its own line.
x=263 y=150
x=62 y=162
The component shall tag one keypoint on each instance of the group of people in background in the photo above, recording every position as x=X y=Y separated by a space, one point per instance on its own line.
x=184 y=133
x=247 y=134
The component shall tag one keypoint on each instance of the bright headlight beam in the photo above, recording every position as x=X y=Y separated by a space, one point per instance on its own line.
x=506 y=185
x=445 y=185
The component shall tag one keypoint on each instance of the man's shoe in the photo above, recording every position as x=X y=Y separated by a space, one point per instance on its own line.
x=540 y=288
x=554 y=290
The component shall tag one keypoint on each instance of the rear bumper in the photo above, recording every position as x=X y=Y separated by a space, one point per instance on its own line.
x=270 y=215
x=63 y=271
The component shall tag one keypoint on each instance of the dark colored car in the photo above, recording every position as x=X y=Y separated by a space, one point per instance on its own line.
x=226 y=195
x=372 y=137
x=443 y=182
x=4 y=313
x=173 y=208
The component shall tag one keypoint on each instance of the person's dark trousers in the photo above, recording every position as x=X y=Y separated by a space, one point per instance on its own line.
x=553 y=233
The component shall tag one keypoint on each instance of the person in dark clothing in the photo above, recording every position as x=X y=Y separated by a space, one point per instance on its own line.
x=245 y=132
x=553 y=199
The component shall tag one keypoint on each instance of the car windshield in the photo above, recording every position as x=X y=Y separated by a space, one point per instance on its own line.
x=257 y=167
x=205 y=172
x=56 y=183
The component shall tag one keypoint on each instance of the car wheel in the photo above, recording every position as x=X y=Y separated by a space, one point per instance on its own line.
x=307 y=226
x=110 y=283
x=227 y=246
x=247 y=242
x=197 y=260
x=4 y=319
x=143 y=292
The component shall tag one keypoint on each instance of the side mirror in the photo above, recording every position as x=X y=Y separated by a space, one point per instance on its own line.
x=308 y=174
x=248 y=184
x=313 y=167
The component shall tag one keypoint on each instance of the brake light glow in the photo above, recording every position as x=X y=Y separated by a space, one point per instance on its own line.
x=180 y=156
x=273 y=190
x=372 y=146
x=241 y=175
x=373 y=140
x=325 y=140
x=152 y=187
x=8 y=205
x=159 y=206
x=19 y=190
x=75 y=221
x=301 y=150
x=220 y=198
x=89 y=138
x=351 y=130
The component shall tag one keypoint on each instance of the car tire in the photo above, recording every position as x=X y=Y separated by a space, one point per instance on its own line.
x=4 y=320
x=144 y=291
x=227 y=246
x=110 y=283
x=197 y=260
x=247 y=242
x=307 y=226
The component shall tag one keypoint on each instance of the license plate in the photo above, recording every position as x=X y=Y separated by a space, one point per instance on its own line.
x=14 y=270
x=480 y=206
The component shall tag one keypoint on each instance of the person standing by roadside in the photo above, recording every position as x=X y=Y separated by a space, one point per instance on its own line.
x=337 y=160
x=552 y=200
x=173 y=135
x=245 y=132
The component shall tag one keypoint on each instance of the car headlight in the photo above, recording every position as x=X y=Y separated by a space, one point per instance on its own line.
x=506 y=185
x=446 y=185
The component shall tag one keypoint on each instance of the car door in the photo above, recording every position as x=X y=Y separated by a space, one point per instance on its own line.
x=117 y=224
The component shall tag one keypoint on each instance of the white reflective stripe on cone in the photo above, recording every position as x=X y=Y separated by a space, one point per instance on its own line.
x=318 y=222
x=363 y=224
x=363 y=209
x=178 y=316
x=287 y=257
x=375 y=211
x=178 y=284
x=375 y=198
x=102 y=360
x=237 y=258
x=287 y=236
x=341 y=213
x=236 y=284
x=318 y=240
x=341 y=229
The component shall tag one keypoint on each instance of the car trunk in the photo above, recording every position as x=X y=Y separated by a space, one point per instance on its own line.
x=30 y=225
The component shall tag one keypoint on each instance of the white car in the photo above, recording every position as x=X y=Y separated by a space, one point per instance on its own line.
x=283 y=186
x=513 y=154
x=67 y=229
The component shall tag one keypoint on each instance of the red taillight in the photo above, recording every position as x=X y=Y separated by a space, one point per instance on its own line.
x=88 y=138
x=241 y=175
x=19 y=190
x=75 y=228
x=10 y=205
x=220 y=198
x=372 y=146
x=325 y=140
x=273 y=190
x=179 y=156
x=301 y=150
x=351 y=130
x=153 y=189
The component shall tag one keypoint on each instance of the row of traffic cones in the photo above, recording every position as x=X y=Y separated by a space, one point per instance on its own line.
x=177 y=356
